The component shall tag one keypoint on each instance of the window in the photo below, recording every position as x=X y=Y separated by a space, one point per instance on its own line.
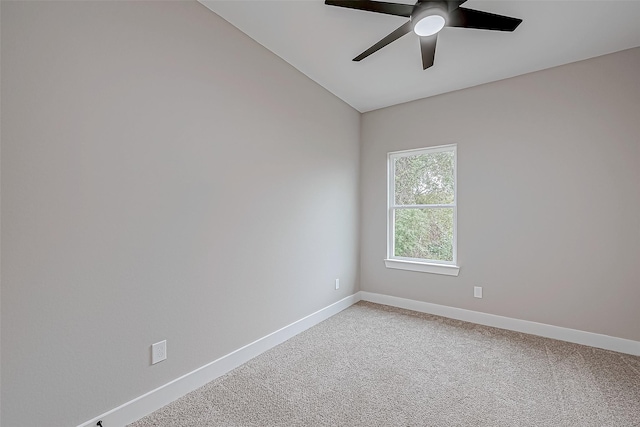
x=422 y=210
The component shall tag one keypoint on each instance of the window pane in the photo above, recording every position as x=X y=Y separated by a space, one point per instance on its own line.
x=424 y=233
x=424 y=179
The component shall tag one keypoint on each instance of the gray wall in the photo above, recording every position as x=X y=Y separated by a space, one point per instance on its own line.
x=163 y=177
x=549 y=195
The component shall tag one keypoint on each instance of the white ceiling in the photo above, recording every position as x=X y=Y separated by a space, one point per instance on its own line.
x=321 y=42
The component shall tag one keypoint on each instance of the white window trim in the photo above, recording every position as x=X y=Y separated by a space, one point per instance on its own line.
x=449 y=268
x=423 y=267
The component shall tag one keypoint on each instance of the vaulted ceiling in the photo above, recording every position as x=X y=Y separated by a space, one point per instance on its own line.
x=321 y=41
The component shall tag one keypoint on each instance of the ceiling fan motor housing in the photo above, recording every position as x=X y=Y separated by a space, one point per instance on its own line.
x=429 y=9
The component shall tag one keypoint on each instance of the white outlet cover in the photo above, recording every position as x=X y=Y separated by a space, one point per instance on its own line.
x=477 y=291
x=337 y=283
x=158 y=352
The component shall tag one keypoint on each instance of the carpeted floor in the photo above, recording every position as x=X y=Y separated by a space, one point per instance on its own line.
x=373 y=365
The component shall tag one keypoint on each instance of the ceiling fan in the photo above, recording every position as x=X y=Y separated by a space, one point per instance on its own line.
x=426 y=19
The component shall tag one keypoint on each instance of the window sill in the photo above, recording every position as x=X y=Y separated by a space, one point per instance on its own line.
x=423 y=267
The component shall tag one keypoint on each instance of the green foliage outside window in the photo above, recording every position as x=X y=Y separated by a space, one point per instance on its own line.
x=425 y=232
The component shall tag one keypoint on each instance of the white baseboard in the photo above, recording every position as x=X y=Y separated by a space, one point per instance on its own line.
x=606 y=342
x=163 y=395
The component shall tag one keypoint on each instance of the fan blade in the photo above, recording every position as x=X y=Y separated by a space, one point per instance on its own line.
x=469 y=18
x=428 y=48
x=395 y=35
x=374 y=6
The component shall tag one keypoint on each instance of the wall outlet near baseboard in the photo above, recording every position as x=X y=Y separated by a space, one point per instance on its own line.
x=477 y=291
x=158 y=352
x=337 y=283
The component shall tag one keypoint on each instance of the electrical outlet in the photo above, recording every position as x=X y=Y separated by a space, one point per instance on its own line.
x=158 y=352
x=477 y=291
x=337 y=283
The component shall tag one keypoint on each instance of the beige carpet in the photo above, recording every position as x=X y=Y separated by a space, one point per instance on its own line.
x=373 y=365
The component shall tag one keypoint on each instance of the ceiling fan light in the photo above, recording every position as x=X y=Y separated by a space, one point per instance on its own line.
x=429 y=25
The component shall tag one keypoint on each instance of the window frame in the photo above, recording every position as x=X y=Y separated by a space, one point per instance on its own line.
x=419 y=264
